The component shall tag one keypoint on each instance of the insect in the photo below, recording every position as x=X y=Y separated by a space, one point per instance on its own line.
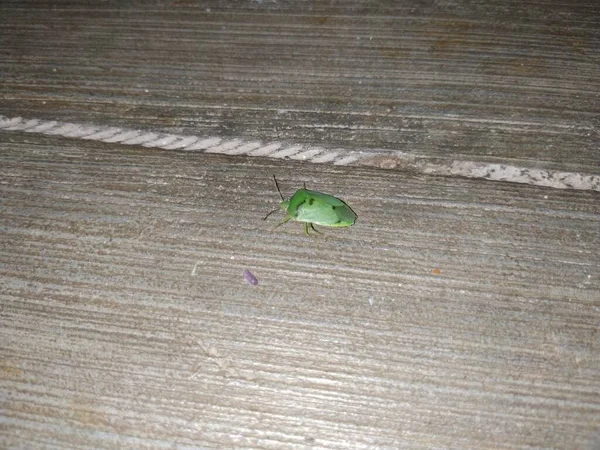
x=312 y=207
x=249 y=277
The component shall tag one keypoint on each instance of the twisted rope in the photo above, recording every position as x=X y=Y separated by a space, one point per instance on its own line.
x=382 y=159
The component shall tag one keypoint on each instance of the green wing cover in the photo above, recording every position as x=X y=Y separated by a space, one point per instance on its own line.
x=320 y=209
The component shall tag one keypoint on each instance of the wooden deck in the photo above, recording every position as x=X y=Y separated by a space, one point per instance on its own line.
x=455 y=314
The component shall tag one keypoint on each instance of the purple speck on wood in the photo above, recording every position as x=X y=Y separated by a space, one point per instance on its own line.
x=249 y=277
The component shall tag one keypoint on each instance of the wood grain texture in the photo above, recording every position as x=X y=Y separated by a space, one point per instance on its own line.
x=455 y=314
x=508 y=82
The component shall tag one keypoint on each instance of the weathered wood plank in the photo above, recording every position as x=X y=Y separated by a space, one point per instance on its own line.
x=480 y=81
x=454 y=314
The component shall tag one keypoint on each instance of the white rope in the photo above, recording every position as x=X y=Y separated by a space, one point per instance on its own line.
x=383 y=159
x=504 y=172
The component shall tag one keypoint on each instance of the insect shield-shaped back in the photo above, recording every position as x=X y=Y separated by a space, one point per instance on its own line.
x=312 y=207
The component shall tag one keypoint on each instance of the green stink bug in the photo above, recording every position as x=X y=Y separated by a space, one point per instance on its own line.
x=311 y=207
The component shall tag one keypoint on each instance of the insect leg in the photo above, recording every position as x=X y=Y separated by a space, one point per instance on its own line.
x=286 y=220
x=314 y=229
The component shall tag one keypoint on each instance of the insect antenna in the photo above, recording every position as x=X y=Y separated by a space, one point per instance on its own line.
x=280 y=194
x=278 y=190
x=275 y=210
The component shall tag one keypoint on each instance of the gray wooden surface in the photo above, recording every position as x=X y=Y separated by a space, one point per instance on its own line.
x=507 y=82
x=452 y=315
x=456 y=314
